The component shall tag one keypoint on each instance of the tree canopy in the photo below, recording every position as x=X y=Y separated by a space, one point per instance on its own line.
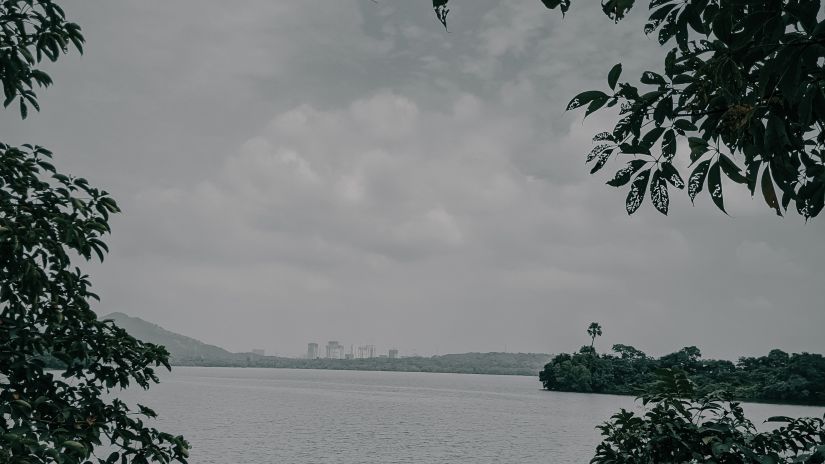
x=594 y=330
x=777 y=377
x=742 y=87
x=48 y=220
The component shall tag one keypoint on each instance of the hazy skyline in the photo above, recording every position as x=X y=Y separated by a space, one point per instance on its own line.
x=310 y=171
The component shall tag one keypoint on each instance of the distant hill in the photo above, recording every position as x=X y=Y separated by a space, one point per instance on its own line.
x=183 y=350
x=187 y=351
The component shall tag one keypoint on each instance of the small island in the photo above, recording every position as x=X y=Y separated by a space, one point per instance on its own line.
x=779 y=377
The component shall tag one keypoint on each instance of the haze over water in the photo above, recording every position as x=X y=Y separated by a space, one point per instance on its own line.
x=233 y=415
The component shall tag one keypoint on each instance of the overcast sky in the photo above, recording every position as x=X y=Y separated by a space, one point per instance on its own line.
x=297 y=171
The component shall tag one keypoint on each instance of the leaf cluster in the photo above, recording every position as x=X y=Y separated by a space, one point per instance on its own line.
x=32 y=31
x=679 y=426
x=742 y=89
x=743 y=86
x=48 y=221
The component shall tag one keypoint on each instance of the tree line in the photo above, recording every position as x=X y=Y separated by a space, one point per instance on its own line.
x=776 y=377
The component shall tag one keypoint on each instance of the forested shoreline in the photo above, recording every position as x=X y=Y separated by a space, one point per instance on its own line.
x=778 y=377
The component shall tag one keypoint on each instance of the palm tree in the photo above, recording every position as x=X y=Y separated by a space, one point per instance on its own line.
x=594 y=330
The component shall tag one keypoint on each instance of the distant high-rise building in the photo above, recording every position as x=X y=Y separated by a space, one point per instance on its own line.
x=312 y=351
x=366 y=351
x=258 y=351
x=335 y=350
x=393 y=353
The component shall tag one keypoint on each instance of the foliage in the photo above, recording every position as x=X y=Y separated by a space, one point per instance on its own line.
x=777 y=377
x=594 y=330
x=681 y=426
x=31 y=30
x=742 y=86
x=47 y=219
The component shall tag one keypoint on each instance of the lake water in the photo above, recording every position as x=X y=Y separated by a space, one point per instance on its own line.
x=295 y=416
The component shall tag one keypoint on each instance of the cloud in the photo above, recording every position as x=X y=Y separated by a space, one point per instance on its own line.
x=301 y=171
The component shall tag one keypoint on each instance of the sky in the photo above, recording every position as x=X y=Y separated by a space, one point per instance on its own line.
x=305 y=171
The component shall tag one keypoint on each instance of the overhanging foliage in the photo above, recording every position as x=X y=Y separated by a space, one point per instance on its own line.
x=742 y=86
x=47 y=221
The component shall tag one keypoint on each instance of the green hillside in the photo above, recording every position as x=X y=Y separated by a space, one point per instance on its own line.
x=183 y=350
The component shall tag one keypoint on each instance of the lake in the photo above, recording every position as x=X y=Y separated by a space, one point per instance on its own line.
x=297 y=416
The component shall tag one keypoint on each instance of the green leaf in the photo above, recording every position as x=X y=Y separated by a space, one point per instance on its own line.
x=596 y=151
x=656 y=17
x=696 y=181
x=685 y=125
x=652 y=136
x=672 y=175
x=552 y=4
x=650 y=77
x=698 y=147
x=663 y=109
x=441 y=11
x=658 y=193
x=602 y=159
x=682 y=32
x=669 y=27
x=694 y=19
x=769 y=193
x=603 y=136
x=731 y=169
x=715 y=186
x=669 y=145
x=623 y=175
x=613 y=76
x=636 y=195
x=682 y=79
x=585 y=98
x=595 y=105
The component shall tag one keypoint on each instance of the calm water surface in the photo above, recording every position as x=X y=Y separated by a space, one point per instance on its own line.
x=262 y=416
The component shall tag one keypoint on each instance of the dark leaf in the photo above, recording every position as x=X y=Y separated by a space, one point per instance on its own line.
x=636 y=195
x=769 y=193
x=658 y=193
x=696 y=181
x=652 y=136
x=623 y=176
x=698 y=147
x=595 y=105
x=441 y=11
x=715 y=186
x=602 y=136
x=670 y=174
x=649 y=77
x=596 y=151
x=613 y=76
x=731 y=169
x=669 y=145
x=685 y=125
x=585 y=98
x=602 y=159
x=663 y=110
